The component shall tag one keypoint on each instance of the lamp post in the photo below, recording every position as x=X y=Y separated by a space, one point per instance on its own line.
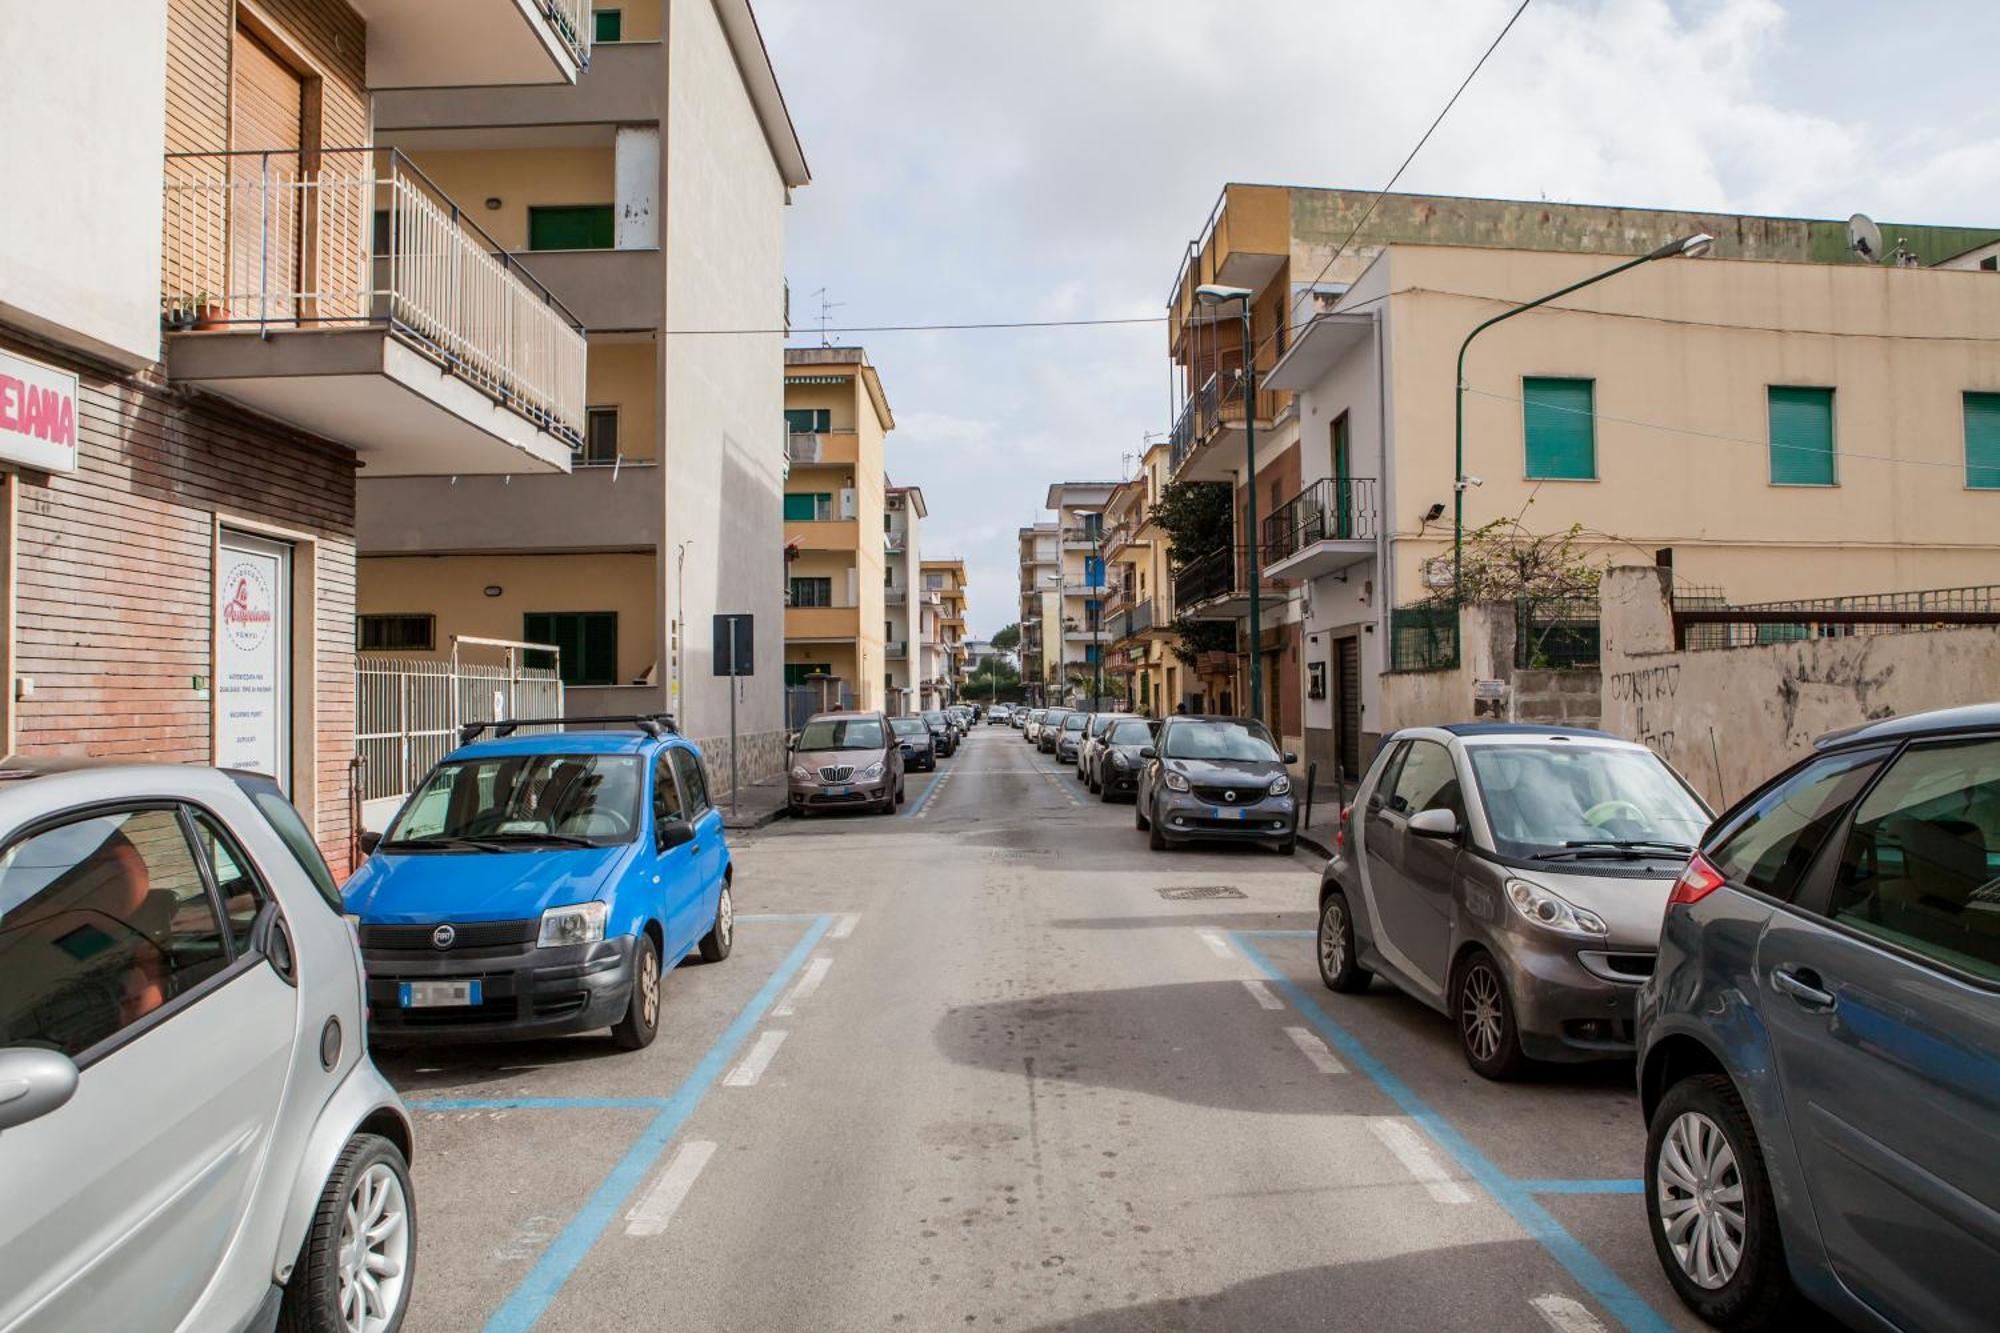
x=1212 y=295
x=1687 y=247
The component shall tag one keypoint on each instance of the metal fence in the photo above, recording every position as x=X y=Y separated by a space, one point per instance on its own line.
x=1704 y=619
x=408 y=712
x=823 y=695
x=1556 y=633
x=1424 y=637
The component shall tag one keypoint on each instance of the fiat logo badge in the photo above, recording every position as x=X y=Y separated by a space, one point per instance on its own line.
x=443 y=936
x=1229 y=796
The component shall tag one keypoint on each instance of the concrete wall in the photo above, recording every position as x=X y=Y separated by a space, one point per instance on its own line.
x=521 y=178
x=724 y=401
x=1729 y=718
x=80 y=216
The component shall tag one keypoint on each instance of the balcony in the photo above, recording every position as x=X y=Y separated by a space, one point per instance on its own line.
x=1082 y=538
x=450 y=43
x=1097 y=590
x=1326 y=528
x=593 y=509
x=827 y=623
x=1215 y=587
x=833 y=534
x=1133 y=620
x=342 y=292
x=895 y=596
x=1212 y=420
x=839 y=448
x=896 y=650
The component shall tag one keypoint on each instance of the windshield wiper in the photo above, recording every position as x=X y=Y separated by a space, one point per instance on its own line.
x=426 y=844
x=1625 y=843
x=1624 y=849
x=552 y=839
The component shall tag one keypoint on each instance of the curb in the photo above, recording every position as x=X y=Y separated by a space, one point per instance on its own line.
x=754 y=819
x=1314 y=845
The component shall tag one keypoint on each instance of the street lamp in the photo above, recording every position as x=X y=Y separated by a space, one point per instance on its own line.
x=1687 y=247
x=1215 y=296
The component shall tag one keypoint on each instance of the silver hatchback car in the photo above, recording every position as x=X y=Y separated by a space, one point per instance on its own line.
x=1512 y=878
x=192 y=1135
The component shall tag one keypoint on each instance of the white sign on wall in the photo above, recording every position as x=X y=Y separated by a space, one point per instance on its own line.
x=37 y=414
x=252 y=671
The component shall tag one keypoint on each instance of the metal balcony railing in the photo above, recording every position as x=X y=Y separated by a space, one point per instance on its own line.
x=1208 y=576
x=1218 y=402
x=1331 y=509
x=573 y=26
x=341 y=237
x=897 y=648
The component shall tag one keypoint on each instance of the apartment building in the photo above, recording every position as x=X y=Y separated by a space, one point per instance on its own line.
x=1141 y=667
x=1076 y=643
x=648 y=196
x=902 y=599
x=837 y=529
x=946 y=621
x=1041 y=610
x=213 y=320
x=1780 y=419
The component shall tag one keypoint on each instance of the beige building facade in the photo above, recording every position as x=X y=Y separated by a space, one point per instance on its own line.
x=946 y=580
x=902 y=599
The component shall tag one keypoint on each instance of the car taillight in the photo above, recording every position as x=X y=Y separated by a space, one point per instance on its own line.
x=1696 y=882
x=1340 y=830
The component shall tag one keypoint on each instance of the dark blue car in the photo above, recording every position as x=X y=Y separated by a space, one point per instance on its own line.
x=535 y=885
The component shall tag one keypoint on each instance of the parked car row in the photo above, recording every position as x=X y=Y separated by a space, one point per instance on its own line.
x=1809 y=985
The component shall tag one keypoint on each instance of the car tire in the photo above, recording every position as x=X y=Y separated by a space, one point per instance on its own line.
x=721 y=937
x=1483 y=1012
x=1105 y=794
x=1288 y=846
x=371 y=1175
x=1339 y=969
x=1139 y=820
x=1759 y=1293
x=1158 y=840
x=641 y=1023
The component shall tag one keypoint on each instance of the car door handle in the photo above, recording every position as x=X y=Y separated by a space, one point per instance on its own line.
x=1803 y=985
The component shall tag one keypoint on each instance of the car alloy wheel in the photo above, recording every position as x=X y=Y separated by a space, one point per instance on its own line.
x=374 y=1250
x=1699 y=1193
x=1333 y=938
x=649 y=994
x=1480 y=1012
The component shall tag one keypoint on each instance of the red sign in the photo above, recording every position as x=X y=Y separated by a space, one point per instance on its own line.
x=37 y=415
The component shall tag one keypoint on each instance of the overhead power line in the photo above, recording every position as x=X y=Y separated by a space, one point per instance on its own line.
x=930 y=328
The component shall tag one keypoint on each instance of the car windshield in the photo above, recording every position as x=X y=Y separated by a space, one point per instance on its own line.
x=909 y=726
x=1549 y=800
x=934 y=719
x=511 y=802
x=1231 y=739
x=1131 y=731
x=1074 y=722
x=842 y=733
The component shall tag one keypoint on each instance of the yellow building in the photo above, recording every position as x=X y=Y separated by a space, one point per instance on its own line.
x=1041 y=608
x=945 y=580
x=1141 y=609
x=837 y=526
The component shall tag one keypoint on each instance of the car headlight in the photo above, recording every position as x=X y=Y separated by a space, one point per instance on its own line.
x=1282 y=786
x=1175 y=782
x=802 y=773
x=1118 y=760
x=579 y=923
x=1540 y=907
x=873 y=771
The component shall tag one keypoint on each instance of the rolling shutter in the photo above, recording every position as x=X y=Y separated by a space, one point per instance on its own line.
x=266 y=116
x=1560 y=425
x=1801 y=436
x=1982 y=441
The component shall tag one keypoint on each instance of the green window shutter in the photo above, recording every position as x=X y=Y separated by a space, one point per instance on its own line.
x=1982 y=441
x=801 y=508
x=608 y=25
x=1559 y=422
x=570 y=227
x=1801 y=436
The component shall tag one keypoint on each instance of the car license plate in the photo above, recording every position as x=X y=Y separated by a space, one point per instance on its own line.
x=1225 y=812
x=437 y=994
x=836 y=791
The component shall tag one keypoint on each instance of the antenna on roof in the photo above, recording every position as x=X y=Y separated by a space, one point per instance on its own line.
x=826 y=309
x=1864 y=239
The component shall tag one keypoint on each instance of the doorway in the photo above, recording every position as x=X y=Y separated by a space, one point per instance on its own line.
x=267 y=108
x=253 y=665
x=1347 y=707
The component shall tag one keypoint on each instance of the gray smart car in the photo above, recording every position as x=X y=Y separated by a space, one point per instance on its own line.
x=1512 y=878
x=1819 y=1046
x=1219 y=778
x=846 y=761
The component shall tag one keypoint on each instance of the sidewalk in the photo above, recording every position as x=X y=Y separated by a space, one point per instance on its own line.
x=759 y=804
x=1317 y=836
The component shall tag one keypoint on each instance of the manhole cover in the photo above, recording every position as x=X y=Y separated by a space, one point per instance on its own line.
x=1197 y=892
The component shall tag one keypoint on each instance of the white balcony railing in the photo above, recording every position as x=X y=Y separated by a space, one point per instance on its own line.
x=573 y=25
x=344 y=237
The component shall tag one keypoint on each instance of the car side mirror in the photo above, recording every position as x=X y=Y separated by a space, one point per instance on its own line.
x=1291 y=757
x=674 y=832
x=1441 y=824
x=1148 y=752
x=33 y=1083
x=370 y=840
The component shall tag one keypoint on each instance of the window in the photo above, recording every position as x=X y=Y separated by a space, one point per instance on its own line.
x=522 y=799
x=808 y=507
x=284 y=818
x=1559 y=421
x=1921 y=868
x=588 y=641
x=798 y=673
x=236 y=883
x=607 y=25
x=570 y=227
x=667 y=804
x=102 y=921
x=1801 y=436
x=1093 y=571
x=395 y=634
x=933 y=582
x=1428 y=780
x=694 y=783
x=1093 y=524
x=808 y=420
x=600 y=439
x=1092 y=655
x=1769 y=846
x=812 y=592
x=1982 y=441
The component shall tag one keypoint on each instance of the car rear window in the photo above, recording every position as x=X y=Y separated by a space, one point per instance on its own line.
x=1770 y=843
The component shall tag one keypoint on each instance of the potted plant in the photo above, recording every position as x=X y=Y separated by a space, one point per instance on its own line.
x=199 y=311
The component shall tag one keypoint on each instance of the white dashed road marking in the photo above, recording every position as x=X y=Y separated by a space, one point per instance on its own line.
x=845 y=926
x=1401 y=1138
x=746 y=1074
x=1565 y=1315
x=649 y=1216
x=1217 y=945
x=1263 y=993
x=815 y=973
x=1313 y=1049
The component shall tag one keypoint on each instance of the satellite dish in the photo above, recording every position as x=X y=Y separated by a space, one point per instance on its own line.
x=1864 y=238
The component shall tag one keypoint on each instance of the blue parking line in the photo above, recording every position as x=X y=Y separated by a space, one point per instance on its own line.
x=532 y=1297
x=777 y=916
x=1583 y=1186
x=930 y=789
x=1278 y=934
x=1590 y=1272
x=537 y=1104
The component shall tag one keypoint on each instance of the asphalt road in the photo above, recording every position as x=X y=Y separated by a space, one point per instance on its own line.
x=970 y=1068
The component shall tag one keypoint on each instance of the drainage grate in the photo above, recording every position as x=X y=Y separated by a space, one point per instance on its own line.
x=1199 y=892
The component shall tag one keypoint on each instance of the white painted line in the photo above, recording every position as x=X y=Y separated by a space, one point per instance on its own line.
x=746 y=1074
x=1313 y=1049
x=1217 y=945
x=815 y=973
x=1401 y=1138
x=1565 y=1315
x=1267 y=999
x=649 y=1216
x=845 y=926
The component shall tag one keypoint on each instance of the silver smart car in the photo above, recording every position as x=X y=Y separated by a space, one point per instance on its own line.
x=192 y=1135
x=1513 y=878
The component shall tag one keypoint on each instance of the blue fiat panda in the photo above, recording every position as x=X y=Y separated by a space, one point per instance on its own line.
x=535 y=885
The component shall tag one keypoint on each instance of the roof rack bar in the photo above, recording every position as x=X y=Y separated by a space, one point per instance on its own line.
x=655 y=725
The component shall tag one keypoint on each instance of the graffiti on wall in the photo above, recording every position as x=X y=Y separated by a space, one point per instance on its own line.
x=1649 y=693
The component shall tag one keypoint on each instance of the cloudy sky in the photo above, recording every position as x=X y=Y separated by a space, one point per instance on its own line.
x=1050 y=159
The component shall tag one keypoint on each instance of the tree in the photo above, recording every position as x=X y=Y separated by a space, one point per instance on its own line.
x=1194 y=637
x=993 y=679
x=1198 y=518
x=1505 y=562
x=1007 y=638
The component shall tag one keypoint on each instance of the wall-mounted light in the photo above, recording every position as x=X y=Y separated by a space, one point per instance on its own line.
x=1434 y=513
x=493 y=590
x=492 y=201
